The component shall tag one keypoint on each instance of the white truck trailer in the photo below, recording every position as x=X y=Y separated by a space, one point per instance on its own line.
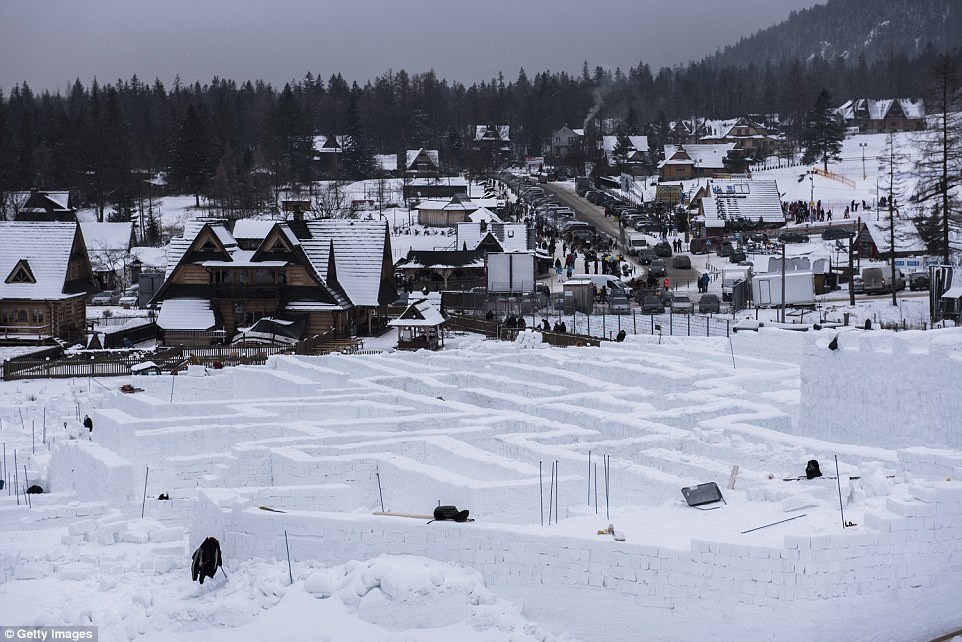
x=799 y=289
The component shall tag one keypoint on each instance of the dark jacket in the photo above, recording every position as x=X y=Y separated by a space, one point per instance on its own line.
x=206 y=560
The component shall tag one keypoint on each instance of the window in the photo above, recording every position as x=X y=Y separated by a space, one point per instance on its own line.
x=38 y=315
x=21 y=316
x=264 y=277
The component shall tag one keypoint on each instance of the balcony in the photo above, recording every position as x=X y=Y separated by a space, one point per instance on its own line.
x=263 y=292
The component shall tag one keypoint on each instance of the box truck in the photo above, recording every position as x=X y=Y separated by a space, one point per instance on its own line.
x=799 y=288
x=731 y=276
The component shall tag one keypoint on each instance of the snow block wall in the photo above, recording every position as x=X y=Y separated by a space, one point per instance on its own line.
x=92 y=472
x=912 y=544
x=906 y=383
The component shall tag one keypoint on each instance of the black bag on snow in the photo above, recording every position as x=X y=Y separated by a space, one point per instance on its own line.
x=812 y=471
x=442 y=513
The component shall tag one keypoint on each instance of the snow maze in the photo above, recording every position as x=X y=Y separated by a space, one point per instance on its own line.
x=323 y=441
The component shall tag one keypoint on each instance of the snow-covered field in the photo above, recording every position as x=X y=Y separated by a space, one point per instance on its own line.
x=325 y=442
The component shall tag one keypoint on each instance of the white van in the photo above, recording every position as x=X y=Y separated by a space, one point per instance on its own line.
x=731 y=276
x=634 y=242
x=607 y=281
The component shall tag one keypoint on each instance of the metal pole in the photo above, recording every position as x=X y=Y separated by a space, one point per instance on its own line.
x=143 y=505
x=26 y=487
x=379 y=494
x=557 y=482
x=288 y=547
x=782 y=315
x=838 y=479
x=551 y=494
x=773 y=523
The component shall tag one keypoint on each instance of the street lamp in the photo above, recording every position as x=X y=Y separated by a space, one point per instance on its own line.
x=863 y=146
x=811 y=200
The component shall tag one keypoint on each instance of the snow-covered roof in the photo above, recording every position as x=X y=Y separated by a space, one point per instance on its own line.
x=513 y=237
x=954 y=292
x=906 y=235
x=483 y=214
x=107 y=243
x=412 y=155
x=252 y=229
x=486 y=132
x=704 y=156
x=421 y=313
x=453 y=204
x=387 y=162
x=44 y=248
x=359 y=248
x=179 y=245
x=877 y=109
x=639 y=143
x=186 y=314
x=734 y=199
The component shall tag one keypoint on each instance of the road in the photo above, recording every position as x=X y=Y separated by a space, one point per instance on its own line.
x=590 y=213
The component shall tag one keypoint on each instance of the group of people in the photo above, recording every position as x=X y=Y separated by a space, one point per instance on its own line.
x=703 y=282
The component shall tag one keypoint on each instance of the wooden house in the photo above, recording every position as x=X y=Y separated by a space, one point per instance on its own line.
x=327 y=154
x=422 y=163
x=108 y=246
x=331 y=275
x=685 y=162
x=872 y=116
x=45 y=276
x=46 y=207
x=754 y=139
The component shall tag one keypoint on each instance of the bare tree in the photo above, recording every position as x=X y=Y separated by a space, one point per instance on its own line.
x=329 y=201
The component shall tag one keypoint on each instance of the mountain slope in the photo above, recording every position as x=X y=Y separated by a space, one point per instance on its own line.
x=878 y=29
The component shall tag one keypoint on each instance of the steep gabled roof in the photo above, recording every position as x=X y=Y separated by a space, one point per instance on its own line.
x=703 y=156
x=413 y=155
x=442 y=259
x=107 y=243
x=360 y=249
x=421 y=313
x=42 y=253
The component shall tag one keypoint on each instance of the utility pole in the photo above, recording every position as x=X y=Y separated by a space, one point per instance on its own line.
x=782 y=315
x=851 y=274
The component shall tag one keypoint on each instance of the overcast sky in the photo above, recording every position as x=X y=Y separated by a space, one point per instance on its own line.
x=49 y=43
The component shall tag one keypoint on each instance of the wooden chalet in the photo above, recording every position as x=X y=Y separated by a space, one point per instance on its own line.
x=108 y=246
x=45 y=276
x=330 y=275
x=635 y=159
x=883 y=116
x=422 y=163
x=327 y=154
x=748 y=136
x=47 y=207
x=445 y=213
x=685 y=162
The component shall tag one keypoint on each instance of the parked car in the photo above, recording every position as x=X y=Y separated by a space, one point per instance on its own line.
x=681 y=261
x=646 y=255
x=834 y=233
x=657 y=268
x=652 y=305
x=130 y=299
x=918 y=281
x=681 y=304
x=876 y=280
x=793 y=237
x=107 y=297
x=709 y=303
x=725 y=248
x=737 y=256
x=663 y=248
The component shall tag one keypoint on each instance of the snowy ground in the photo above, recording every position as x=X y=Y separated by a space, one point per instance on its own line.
x=326 y=440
